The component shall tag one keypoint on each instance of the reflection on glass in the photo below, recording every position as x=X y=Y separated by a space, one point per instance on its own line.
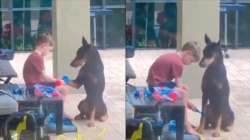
x=167 y=20
x=99 y=31
x=27 y=23
x=155 y=25
x=96 y=2
x=115 y=28
x=31 y=3
x=115 y=2
x=110 y=28
x=5 y=30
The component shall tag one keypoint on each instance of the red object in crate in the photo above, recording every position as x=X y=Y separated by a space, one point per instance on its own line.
x=59 y=83
x=173 y=96
x=157 y=96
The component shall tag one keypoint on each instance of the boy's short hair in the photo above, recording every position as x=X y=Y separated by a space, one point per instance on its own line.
x=194 y=48
x=44 y=38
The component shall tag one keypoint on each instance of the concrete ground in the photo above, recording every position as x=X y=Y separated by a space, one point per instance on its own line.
x=238 y=72
x=238 y=69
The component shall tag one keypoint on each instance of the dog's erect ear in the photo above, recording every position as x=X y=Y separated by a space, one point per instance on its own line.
x=207 y=39
x=218 y=43
x=84 y=41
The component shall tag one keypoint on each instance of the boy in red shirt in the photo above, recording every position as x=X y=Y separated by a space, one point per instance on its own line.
x=169 y=68
x=34 y=69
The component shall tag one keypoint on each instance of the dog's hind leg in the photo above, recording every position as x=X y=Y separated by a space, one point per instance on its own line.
x=216 y=133
x=91 y=121
x=209 y=117
x=83 y=109
x=102 y=114
x=203 y=122
x=91 y=99
x=227 y=120
x=201 y=127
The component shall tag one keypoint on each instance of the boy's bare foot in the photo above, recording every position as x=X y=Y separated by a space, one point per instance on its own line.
x=91 y=123
x=103 y=118
x=199 y=130
x=69 y=117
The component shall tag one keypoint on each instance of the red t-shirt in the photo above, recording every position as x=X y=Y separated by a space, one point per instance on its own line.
x=33 y=68
x=166 y=68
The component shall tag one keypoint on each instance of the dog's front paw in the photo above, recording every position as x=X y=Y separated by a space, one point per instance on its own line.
x=91 y=123
x=216 y=134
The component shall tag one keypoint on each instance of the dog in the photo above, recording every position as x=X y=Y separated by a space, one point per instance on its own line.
x=91 y=76
x=215 y=88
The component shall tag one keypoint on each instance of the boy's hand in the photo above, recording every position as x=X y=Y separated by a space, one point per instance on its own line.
x=191 y=106
x=183 y=86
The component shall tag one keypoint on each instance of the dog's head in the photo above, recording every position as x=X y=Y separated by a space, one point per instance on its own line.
x=82 y=54
x=211 y=53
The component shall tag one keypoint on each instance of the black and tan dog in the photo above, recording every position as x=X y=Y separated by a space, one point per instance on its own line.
x=91 y=76
x=215 y=88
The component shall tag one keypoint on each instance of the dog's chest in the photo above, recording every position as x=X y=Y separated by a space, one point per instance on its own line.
x=214 y=79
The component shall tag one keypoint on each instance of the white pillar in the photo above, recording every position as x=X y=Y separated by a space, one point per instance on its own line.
x=71 y=21
x=195 y=18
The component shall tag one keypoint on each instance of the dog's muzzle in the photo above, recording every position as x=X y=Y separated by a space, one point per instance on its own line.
x=77 y=63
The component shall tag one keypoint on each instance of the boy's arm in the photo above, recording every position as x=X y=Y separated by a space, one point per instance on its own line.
x=47 y=78
x=191 y=106
x=38 y=64
x=177 y=70
x=178 y=82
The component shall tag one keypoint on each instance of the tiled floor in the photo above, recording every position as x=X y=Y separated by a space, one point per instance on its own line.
x=238 y=68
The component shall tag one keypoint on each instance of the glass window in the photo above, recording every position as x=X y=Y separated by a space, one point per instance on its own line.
x=155 y=25
x=96 y=2
x=27 y=23
x=5 y=30
x=31 y=3
x=43 y=3
x=115 y=2
x=98 y=26
x=115 y=28
x=110 y=29
x=243 y=27
x=4 y=3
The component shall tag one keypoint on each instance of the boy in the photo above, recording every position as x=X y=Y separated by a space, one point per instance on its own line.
x=169 y=67
x=34 y=69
